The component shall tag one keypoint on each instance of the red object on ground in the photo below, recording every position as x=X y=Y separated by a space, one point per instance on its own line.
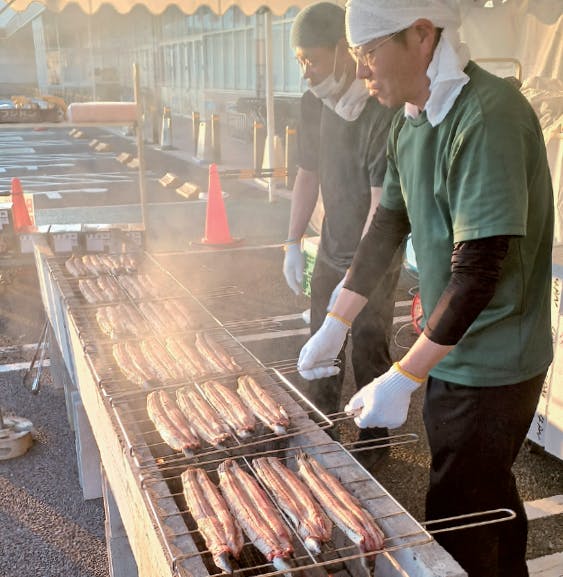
x=20 y=215
x=216 y=225
x=416 y=313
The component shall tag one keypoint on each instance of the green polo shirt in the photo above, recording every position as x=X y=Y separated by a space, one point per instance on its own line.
x=481 y=172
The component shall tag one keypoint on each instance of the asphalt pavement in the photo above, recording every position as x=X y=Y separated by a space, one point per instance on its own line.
x=47 y=527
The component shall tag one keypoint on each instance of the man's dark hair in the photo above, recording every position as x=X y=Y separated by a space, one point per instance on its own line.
x=320 y=24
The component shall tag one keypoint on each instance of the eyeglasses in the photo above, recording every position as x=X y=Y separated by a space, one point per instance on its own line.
x=305 y=63
x=366 y=58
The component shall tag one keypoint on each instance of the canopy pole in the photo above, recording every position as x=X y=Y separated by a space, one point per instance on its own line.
x=270 y=119
x=91 y=51
x=140 y=130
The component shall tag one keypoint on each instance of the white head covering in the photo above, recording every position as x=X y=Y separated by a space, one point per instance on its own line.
x=370 y=19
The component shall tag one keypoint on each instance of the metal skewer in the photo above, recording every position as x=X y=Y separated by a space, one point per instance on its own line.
x=40 y=351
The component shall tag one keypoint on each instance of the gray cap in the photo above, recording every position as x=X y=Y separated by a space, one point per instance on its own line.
x=320 y=24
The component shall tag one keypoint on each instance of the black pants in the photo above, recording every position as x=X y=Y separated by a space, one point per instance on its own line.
x=371 y=334
x=475 y=434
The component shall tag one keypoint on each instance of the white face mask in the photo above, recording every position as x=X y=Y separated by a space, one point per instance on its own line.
x=351 y=104
x=328 y=88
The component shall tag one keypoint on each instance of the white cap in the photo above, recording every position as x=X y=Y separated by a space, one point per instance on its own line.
x=370 y=19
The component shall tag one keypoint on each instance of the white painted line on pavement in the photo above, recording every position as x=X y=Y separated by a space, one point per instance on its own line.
x=21 y=366
x=544 y=507
x=546 y=566
x=12 y=348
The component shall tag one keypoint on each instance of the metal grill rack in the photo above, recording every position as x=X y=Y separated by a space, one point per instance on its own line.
x=400 y=529
x=69 y=284
x=114 y=384
x=143 y=468
x=140 y=433
x=85 y=318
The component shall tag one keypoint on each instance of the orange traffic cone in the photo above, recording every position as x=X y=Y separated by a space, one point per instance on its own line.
x=20 y=215
x=216 y=225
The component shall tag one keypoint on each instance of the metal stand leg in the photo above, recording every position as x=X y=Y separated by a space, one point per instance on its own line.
x=40 y=352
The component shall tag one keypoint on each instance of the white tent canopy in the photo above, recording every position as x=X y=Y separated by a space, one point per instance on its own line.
x=521 y=38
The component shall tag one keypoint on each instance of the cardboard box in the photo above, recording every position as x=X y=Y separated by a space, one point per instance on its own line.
x=547 y=425
x=113 y=238
x=26 y=242
x=64 y=238
x=553 y=438
x=310 y=250
x=98 y=239
x=538 y=426
x=6 y=216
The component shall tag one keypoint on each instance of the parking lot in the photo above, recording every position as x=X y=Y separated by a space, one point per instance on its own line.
x=242 y=285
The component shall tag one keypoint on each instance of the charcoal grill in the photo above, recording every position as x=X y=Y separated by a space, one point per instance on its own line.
x=143 y=472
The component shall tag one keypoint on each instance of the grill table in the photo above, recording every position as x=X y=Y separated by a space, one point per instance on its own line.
x=148 y=531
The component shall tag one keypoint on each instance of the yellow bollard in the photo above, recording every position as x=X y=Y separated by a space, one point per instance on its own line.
x=290 y=156
x=259 y=140
x=195 y=131
x=215 y=139
x=166 y=132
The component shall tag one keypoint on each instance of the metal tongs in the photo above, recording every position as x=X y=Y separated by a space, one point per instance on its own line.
x=39 y=358
x=330 y=363
x=289 y=366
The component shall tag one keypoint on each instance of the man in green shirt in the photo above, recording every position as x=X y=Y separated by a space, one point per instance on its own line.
x=468 y=176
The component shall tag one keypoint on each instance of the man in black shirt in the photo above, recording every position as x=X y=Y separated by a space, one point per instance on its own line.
x=342 y=141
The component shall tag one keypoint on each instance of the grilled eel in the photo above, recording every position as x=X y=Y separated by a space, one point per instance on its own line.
x=106 y=322
x=136 y=359
x=295 y=499
x=160 y=319
x=93 y=264
x=272 y=414
x=256 y=514
x=91 y=291
x=160 y=361
x=109 y=288
x=343 y=508
x=117 y=263
x=132 y=285
x=75 y=267
x=180 y=312
x=99 y=290
x=130 y=319
x=128 y=360
x=203 y=419
x=170 y=423
x=230 y=408
x=186 y=356
x=215 y=354
x=120 y=320
x=222 y=533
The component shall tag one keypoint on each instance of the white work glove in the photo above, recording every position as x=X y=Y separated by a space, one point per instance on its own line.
x=293 y=265
x=335 y=294
x=316 y=360
x=385 y=401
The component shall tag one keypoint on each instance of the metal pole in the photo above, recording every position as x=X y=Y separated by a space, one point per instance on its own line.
x=140 y=144
x=270 y=121
x=8 y=4
x=91 y=50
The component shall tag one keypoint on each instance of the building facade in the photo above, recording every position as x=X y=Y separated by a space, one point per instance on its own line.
x=200 y=62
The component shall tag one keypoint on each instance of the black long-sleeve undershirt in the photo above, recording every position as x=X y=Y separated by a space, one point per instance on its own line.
x=476 y=267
